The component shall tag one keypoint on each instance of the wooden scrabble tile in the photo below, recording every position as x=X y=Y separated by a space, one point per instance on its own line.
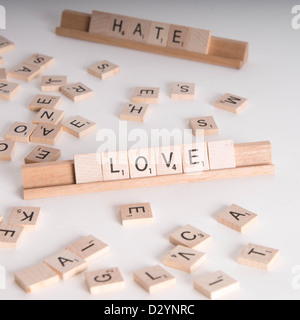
x=77 y=92
x=178 y=37
x=79 y=126
x=89 y=248
x=8 y=90
x=115 y=165
x=46 y=102
x=190 y=237
x=142 y=163
x=20 y=132
x=100 y=22
x=66 y=264
x=26 y=217
x=7 y=150
x=199 y=41
x=3 y=75
x=49 y=116
x=88 y=168
x=169 y=160
x=232 y=103
x=146 y=95
x=139 y=30
x=53 y=83
x=10 y=236
x=237 y=218
x=154 y=279
x=136 y=214
x=6 y=45
x=135 y=112
x=104 y=69
x=204 y=126
x=25 y=72
x=259 y=257
x=42 y=154
x=184 y=259
x=195 y=157
x=158 y=34
x=183 y=91
x=40 y=60
x=36 y=278
x=104 y=281
x=119 y=26
x=221 y=154
x=46 y=134
x=216 y=285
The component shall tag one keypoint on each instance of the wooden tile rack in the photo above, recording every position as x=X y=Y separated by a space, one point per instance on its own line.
x=223 y=52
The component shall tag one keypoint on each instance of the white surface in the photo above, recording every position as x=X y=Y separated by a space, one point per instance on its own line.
x=271 y=82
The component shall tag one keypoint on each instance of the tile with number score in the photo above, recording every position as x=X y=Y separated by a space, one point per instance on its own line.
x=7 y=150
x=237 y=218
x=104 y=281
x=135 y=112
x=104 y=69
x=53 y=83
x=190 y=237
x=77 y=92
x=45 y=116
x=40 y=60
x=183 y=91
x=8 y=90
x=46 y=134
x=232 y=103
x=154 y=279
x=79 y=126
x=42 y=154
x=44 y=101
x=25 y=72
x=216 y=285
x=10 y=236
x=146 y=95
x=259 y=257
x=26 y=217
x=20 y=132
x=136 y=214
x=204 y=126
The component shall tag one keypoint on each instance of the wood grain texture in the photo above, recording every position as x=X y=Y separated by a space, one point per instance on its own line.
x=223 y=52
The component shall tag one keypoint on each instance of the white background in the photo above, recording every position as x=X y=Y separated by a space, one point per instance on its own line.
x=271 y=82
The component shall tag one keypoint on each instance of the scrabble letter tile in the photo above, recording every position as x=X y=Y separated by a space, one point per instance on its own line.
x=89 y=248
x=232 y=103
x=178 y=37
x=66 y=264
x=139 y=30
x=216 y=285
x=119 y=27
x=115 y=165
x=184 y=259
x=10 y=236
x=146 y=95
x=46 y=134
x=135 y=112
x=221 y=154
x=104 y=281
x=199 y=41
x=40 y=60
x=158 y=34
x=100 y=22
x=190 y=237
x=88 y=168
x=154 y=279
x=136 y=214
x=142 y=163
x=237 y=218
x=20 y=132
x=25 y=72
x=45 y=116
x=77 y=92
x=36 y=278
x=183 y=91
x=169 y=160
x=8 y=90
x=6 y=45
x=104 y=70
x=195 y=157
x=42 y=154
x=259 y=257
x=7 y=150
x=47 y=102
x=26 y=217
x=79 y=127
x=53 y=83
x=204 y=126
